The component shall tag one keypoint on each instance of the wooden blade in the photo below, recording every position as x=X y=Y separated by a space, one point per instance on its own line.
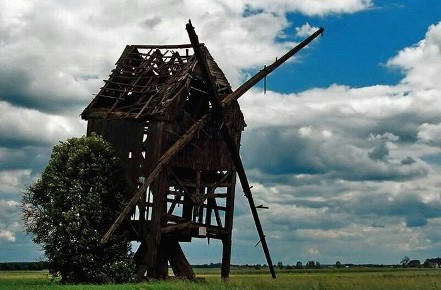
x=268 y=69
x=186 y=138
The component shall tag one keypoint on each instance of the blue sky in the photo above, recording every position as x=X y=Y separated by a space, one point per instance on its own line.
x=344 y=147
x=356 y=46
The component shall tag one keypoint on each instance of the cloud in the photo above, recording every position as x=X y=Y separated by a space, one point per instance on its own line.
x=66 y=50
x=314 y=7
x=430 y=133
x=6 y=236
x=21 y=126
x=305 y=30
x=12 y=180
x=332 y=163
x=9 y=219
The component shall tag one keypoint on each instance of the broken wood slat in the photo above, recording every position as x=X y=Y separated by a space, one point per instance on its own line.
x=162 y=46
x=120 y=84
x=126 y=91
x=173 y=204
x=204 y=184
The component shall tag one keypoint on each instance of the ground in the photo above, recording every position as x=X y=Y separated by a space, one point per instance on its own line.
x=357 y=278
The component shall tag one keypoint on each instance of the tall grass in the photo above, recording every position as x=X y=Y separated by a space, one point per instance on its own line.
x=315 y=279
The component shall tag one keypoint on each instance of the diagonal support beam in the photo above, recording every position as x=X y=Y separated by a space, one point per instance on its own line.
x=187 y=137
x=219 y=117
x=168 y=155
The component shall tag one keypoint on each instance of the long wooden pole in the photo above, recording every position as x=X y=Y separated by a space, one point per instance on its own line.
x=270 y=68
x=219 y=117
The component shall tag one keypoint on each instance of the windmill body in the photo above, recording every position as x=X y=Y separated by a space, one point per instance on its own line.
x=172 y=117
x=151 y=98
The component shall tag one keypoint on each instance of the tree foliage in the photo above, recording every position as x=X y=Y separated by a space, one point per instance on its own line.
x=405 y=261
x=68 y=210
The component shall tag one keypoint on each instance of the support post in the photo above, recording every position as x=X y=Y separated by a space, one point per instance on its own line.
x=226 y=241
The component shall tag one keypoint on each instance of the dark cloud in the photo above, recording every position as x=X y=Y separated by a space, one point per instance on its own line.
x=284 y=150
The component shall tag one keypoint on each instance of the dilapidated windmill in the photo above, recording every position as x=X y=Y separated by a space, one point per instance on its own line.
x=176 y=124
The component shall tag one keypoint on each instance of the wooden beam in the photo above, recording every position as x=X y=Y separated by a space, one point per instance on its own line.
x=226 y=241
x=162 y=46
x=219 y=117
x=173 y=228
x=168 y=155
x=178 y=262
x=268 y=69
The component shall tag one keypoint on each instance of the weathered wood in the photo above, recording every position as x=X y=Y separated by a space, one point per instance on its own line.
x=173 y=228
x=141 y=261
x=178 y=262
x=226 y=242
x=168 y=155
x=270 y=68
x=218 y=115
x=159 y=192
x=162 y=46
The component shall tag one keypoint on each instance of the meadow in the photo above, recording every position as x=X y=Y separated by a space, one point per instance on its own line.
x=357 y=278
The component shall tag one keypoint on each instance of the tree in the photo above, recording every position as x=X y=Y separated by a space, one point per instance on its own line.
x=280 y=265
x=299 y=265
x=414 y=264
x=428 y=264
x=68 y=210
x=310 y=265
x=338 y=264
x=405 y=261
x=317 y=265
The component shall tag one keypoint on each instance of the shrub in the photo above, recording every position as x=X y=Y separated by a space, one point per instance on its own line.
x=68 y=210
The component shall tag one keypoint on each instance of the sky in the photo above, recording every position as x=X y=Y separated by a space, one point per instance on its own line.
x=344 y=147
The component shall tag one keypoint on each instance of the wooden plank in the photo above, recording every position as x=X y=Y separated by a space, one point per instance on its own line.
x=226 y=242
x=173 y=228
x=162 y=46
x=270 y=68
x=178 y=262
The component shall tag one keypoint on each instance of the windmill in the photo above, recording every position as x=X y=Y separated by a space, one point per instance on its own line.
x=176 y=124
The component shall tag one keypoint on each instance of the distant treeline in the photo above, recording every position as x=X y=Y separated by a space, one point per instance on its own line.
x=17 y=266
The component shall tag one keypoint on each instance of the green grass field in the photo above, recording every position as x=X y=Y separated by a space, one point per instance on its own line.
x=357 y=278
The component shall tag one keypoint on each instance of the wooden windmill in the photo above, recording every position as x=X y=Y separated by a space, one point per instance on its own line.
x=176 y=124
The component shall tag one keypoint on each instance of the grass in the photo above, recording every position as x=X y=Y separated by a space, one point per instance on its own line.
x=364 y=278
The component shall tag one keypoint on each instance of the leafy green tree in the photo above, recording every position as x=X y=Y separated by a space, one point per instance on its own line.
x=280 y=265
x=68 y=210
x=299 y=265
x=310 y=265
x=338 y=264
x=405 y=261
